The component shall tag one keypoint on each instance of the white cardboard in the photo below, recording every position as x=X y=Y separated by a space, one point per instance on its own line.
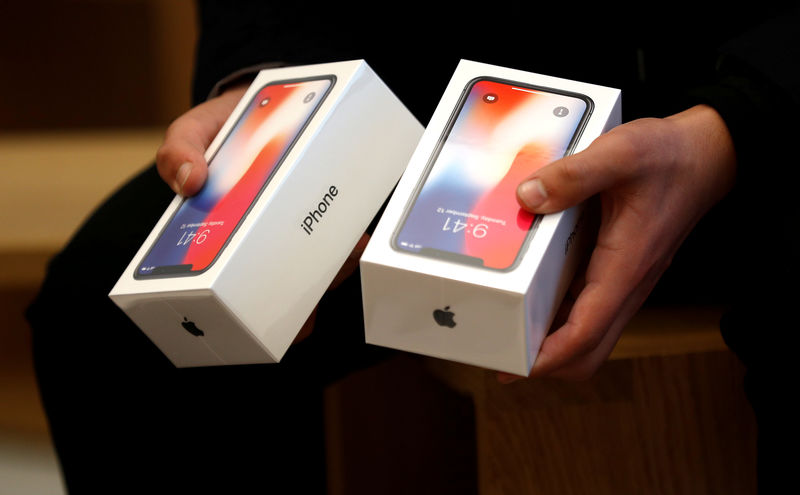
x=502 y=316
x=253 y=300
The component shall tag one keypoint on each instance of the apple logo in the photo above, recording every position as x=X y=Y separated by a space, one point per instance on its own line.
x=444 y=317
x=191 y=327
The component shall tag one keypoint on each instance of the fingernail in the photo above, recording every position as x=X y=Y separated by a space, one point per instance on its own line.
x=180 y=178
x=532 y=193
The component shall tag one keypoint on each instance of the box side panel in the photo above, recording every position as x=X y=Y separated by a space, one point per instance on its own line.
x=289 y=257
x=615 y=115
x=194 y=330
x=443 y=318
x=567 y=248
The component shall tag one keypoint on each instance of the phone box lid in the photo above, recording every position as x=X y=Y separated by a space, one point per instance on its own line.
x=277 y=263
x=605 y=113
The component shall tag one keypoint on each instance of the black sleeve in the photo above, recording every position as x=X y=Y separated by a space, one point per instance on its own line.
x=229 y=41
x=235 y=35
x=757 y=93
x=745 y=247
x=758 y=96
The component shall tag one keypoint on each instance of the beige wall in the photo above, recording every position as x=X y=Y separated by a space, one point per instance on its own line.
x=95 y=63
x=86 y=90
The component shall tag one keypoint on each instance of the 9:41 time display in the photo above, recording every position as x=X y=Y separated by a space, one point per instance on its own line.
x=478 y=230
x=197 y=237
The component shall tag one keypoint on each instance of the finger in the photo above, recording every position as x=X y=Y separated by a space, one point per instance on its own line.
x=610 y=277
x=584 y=366
x=575 y=178
x=618 y=282
x=180 y=159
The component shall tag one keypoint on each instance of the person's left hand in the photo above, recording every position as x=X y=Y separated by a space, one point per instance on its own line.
x=181 y=164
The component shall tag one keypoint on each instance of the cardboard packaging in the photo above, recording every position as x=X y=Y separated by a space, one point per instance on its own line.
x=454 y=270
x=310 y=155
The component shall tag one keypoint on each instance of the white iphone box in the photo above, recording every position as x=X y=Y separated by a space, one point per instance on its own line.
x=455 y=269
x=296 y=174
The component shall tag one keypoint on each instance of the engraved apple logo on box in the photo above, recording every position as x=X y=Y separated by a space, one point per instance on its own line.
x=191 y=327
x=444 y=317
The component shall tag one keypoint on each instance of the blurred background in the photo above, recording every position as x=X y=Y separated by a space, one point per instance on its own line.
x=87 y=89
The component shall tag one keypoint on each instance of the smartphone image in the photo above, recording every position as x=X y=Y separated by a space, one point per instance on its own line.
x=464 y=208
x=238 y=172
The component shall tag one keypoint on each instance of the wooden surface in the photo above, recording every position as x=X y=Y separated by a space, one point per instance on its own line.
x=393 y=430
x=657 y=425
x=665 y=415
x=52 y=180
x=666 y=331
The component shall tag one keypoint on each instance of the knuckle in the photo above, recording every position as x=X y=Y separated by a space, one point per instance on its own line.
x=643 y=144
x=174 y=127
x=628 y=143
x=163 y=155
x=568 y=180
x=572 y=171
x=593 y=339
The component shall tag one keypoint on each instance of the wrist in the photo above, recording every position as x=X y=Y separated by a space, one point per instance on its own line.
x=705 y=144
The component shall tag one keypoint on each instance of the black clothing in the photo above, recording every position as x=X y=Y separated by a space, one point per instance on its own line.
x=121 y=414
x=124 y=419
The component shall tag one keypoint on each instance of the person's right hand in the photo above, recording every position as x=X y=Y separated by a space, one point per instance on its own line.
x=655 y=179
x=180 y=159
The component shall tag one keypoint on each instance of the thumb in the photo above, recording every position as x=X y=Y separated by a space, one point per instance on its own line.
x=180 y=159
x=572 y=179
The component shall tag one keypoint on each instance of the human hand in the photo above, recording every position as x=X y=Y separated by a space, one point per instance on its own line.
x=655 y=179
x=180 y=159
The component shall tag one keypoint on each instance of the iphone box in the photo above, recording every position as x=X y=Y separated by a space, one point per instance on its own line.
x=296 y=174
x=455 y=269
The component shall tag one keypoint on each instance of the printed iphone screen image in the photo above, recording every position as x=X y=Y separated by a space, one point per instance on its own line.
x=237 y=174
x=465 y=209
